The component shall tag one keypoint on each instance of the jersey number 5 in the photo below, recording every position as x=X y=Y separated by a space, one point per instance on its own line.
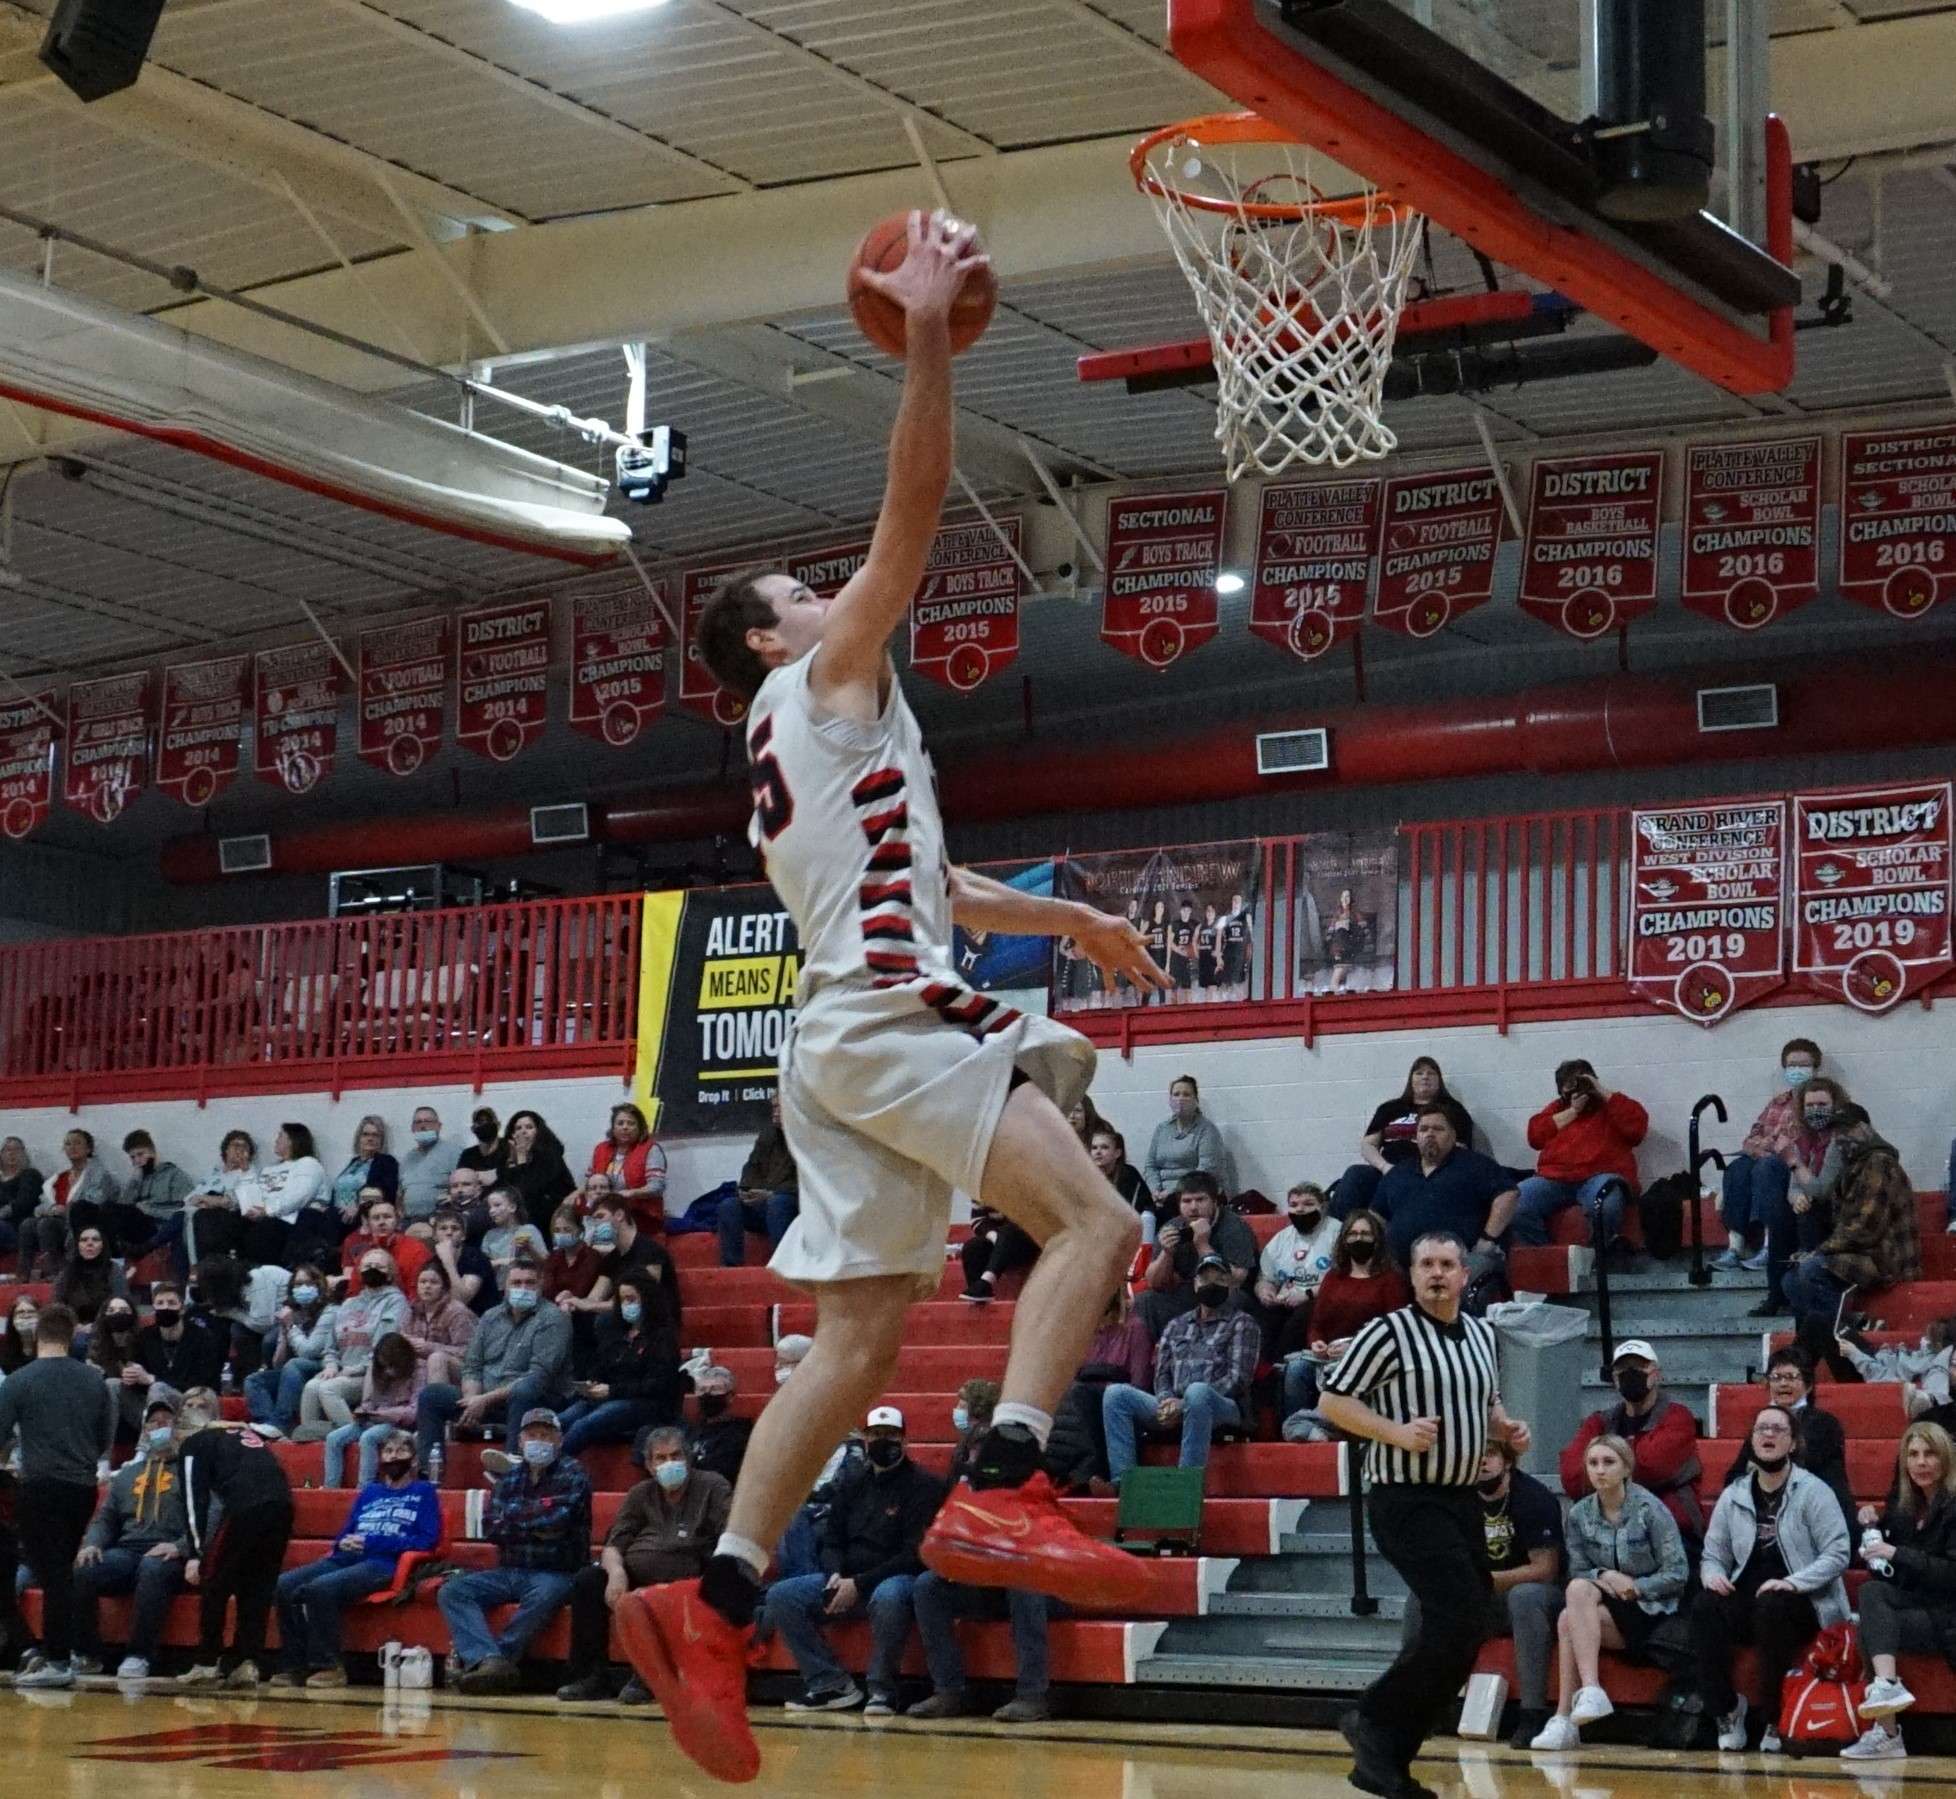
x=774 y=805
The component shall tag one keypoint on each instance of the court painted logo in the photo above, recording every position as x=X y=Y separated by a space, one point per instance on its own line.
x=281 y=1749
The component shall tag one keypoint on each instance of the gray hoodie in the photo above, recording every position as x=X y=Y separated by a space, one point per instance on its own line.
x=1812 y=1537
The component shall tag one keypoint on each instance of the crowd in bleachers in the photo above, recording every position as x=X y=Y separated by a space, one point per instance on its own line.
x=503 y=1294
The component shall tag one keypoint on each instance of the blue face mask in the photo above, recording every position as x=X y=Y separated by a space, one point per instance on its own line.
x=631 y=1311
x=960 y=1420
x=427 y=1139
x=523 y=1299
x=159 y=1439
x=538 y=1453
x=565 y=1240
x=304 y=1295
x=1796 y=1078
x=603 y=1236
x=670 y=1475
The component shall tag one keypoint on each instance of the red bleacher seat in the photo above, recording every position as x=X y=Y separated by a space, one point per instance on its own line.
x=1872 y=1409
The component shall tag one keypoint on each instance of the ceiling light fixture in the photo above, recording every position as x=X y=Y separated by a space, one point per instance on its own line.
x=585 y=12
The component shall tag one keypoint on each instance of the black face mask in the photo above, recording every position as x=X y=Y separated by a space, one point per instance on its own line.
x=485 y=1133
x=118 y=1326
x=168 y=1321
x=399 y=1469
x=373 y=1277
x=714 y=1405
x=1211 y=1294
x=1307 y=1221
x=884 y=1453
x=1361 y=1251
x=1634 y=1385
x=1769 y=1465
x=1490 y=1489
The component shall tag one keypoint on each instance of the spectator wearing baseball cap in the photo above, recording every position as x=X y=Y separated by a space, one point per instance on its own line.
x=869 y=1566
x=540 y=1523
x=1663 y=1434
x=1203 y=1367
x=138 y=1544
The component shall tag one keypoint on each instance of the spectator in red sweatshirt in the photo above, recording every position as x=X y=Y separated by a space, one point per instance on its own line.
x=1662 y=1432
x=1584 y=1138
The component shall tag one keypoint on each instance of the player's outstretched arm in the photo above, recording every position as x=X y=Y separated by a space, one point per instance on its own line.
x=857 y=632
x=1112 y=944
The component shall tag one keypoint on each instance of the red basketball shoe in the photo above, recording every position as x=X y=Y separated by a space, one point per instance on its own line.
x=1019 y=1537
x=695 y=1662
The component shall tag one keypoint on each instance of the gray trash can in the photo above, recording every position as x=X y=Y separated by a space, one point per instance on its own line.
x=1544 y=1351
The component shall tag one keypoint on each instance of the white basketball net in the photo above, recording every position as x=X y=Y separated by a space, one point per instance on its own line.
x=1301 y=311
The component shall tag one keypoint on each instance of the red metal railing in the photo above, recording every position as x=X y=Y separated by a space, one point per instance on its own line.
x=549 y=987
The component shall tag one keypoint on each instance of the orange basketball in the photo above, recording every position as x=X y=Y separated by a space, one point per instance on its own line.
x=881 y=321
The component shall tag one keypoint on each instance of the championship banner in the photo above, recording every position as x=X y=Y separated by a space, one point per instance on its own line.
x=1751 y=530
x=716 y=993
x=1317 y=544
x=828 y=570
x=502 y=678
x=1873 y=892
x=1192 y=905
x=27 y=735
x=108 y=745
x=964 y=622
x=618 y=665
x=1347 y=924
x=699 y=693
x=199 y=741
x=1898 y=519
x=1163 y=554
x=1589 y=561
x=993 y=961
x=1707 y=907
x=297 y=715
x=1439 y=536
x=403 y=693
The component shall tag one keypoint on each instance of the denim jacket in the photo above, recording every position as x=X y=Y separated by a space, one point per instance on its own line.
x=1812 y=1537
x=1644 y=1543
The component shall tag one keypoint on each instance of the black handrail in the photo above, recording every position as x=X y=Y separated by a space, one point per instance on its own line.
x=1711 y=1102
x=1600 y=1249
x=1363 y=1604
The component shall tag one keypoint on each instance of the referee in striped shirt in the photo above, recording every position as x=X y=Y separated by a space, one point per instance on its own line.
x=1422 y=1385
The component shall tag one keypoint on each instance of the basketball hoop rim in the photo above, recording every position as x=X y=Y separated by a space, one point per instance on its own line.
x=1238 y=128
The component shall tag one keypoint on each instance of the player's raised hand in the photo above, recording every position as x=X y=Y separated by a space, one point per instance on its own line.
x=1115 y=947
x=943 y=251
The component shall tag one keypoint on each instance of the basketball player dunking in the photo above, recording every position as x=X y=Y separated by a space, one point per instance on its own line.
x=898 y=1082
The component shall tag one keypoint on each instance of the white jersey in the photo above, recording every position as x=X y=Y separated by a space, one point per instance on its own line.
x=847 y=822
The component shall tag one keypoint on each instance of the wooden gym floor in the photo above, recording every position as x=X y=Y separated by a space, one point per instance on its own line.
x=163 y=1747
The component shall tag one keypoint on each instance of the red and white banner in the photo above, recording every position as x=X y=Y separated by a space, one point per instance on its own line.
x=1163 y=554
x=199 y=740
x=1873 y=892
x=618 y=664
x=964 y=622
x=1589 y=562
x=27 y=735
x=1439 y=536
x=403 y=694
x=1898 y=519
x=1751 y=530
x=296 y=713
x=107 y=757
x=828 y=570
x=502 y=678
x=1317 y=544
x=1707 y=906
x=699 y=693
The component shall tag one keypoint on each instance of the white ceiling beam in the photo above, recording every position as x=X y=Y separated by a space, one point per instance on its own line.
x=830 y=70
x=536 y=94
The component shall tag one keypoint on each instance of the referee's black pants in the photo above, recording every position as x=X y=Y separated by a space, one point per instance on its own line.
x=1434 y=1538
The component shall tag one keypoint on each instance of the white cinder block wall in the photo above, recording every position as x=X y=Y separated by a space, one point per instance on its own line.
x=1289 y=1113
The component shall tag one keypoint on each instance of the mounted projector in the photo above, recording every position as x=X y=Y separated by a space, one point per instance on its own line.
x=1293 y=752
x=644 y=473
x=244 y=855
x=1752 y=708
x=98 y=47
x=560 y=824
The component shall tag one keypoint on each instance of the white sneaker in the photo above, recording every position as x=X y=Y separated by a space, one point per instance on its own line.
x=132 y=1667
x=1886 y=1696
x=204 y=1674
x=1558 y=1733
x=497 y=1462
x=48 y=1674
x=1876 y=1744
x=1755 y=1263
x=1770 y=1744
x=1592 y=1703
x=1950 y=1227
x=1731 y=1727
